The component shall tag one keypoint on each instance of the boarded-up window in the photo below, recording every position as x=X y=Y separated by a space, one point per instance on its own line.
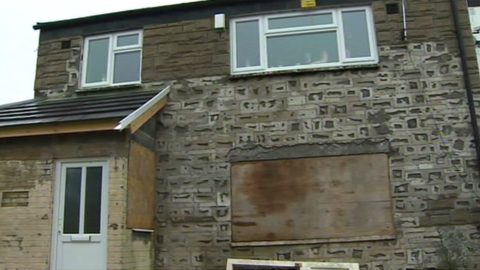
x=311 y=198
x=141 y=187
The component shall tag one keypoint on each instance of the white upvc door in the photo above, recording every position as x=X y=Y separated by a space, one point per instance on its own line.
x=80 y=220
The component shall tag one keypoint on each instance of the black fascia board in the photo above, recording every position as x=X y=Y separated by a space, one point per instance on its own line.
x=473 y=3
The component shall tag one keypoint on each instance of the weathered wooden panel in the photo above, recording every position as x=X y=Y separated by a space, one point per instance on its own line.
x=311 y=198
x=141 y=187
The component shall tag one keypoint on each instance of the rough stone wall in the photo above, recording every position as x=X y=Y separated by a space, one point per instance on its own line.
x=58 y=68
x=186 y=49
x=425 y=118
x=27 y=178
x=416 y=100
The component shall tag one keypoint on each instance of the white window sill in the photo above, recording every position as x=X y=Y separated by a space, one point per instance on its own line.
x=303 y=70
x=109 y=87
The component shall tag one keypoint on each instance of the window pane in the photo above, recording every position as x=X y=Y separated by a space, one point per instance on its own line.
x=93 y=200
x=248 y=44
x=127 y=40
x=300 y=21
x=302 y=49
x=97 y=60
x=71 y=213
x=357 y=43
x=127 y=67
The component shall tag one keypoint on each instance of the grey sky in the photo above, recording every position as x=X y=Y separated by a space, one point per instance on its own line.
x=19 y=41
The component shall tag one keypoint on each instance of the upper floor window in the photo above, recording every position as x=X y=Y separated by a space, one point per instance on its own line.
x=112 y=59
x=303 y=40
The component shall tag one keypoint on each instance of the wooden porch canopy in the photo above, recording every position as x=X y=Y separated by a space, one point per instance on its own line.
x=128 y=110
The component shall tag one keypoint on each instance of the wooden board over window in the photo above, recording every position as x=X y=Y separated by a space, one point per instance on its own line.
x=141 y=187
x=311 y=198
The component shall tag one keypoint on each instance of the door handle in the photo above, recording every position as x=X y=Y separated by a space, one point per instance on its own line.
x=60 y=226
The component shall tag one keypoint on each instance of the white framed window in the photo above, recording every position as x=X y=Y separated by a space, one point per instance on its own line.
x=303 y=40
x=113 y=59
x=240 y=264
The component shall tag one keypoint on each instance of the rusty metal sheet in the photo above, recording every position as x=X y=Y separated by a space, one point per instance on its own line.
x=311 y=198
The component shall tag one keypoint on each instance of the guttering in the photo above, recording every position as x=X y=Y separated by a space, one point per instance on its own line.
x=404 y=10
x=466 y=78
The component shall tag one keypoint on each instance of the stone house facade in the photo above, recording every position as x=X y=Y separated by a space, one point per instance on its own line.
x=271 y=148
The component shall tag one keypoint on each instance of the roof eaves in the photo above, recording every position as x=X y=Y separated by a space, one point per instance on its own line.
x=132 y=13
x=14 y=104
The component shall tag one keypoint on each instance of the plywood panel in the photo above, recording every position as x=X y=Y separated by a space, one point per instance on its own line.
x=311 y=198
x=141 y=187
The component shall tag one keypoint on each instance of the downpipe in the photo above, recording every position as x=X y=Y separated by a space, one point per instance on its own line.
x=468 y=83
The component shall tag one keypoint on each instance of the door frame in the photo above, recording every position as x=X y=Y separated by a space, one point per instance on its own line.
x=57 y=200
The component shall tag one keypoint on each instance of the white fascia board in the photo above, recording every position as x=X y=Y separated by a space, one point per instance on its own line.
x=125 y=122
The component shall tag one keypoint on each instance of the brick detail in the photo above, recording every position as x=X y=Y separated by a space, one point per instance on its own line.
x=14 y=198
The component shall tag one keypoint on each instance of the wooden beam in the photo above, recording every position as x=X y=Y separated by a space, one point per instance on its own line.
x=135 y=125
x=58 y=128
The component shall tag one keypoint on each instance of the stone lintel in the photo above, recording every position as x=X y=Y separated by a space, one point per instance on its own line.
x=258 y=152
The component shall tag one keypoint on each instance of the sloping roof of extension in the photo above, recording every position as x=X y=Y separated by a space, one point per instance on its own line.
x=72 y=109
x=126 y=107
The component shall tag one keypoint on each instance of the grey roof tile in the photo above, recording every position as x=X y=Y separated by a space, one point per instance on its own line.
x=107 y=106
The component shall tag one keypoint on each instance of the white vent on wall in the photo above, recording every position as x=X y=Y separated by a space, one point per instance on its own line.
x=239 y=264
x=219 y=21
